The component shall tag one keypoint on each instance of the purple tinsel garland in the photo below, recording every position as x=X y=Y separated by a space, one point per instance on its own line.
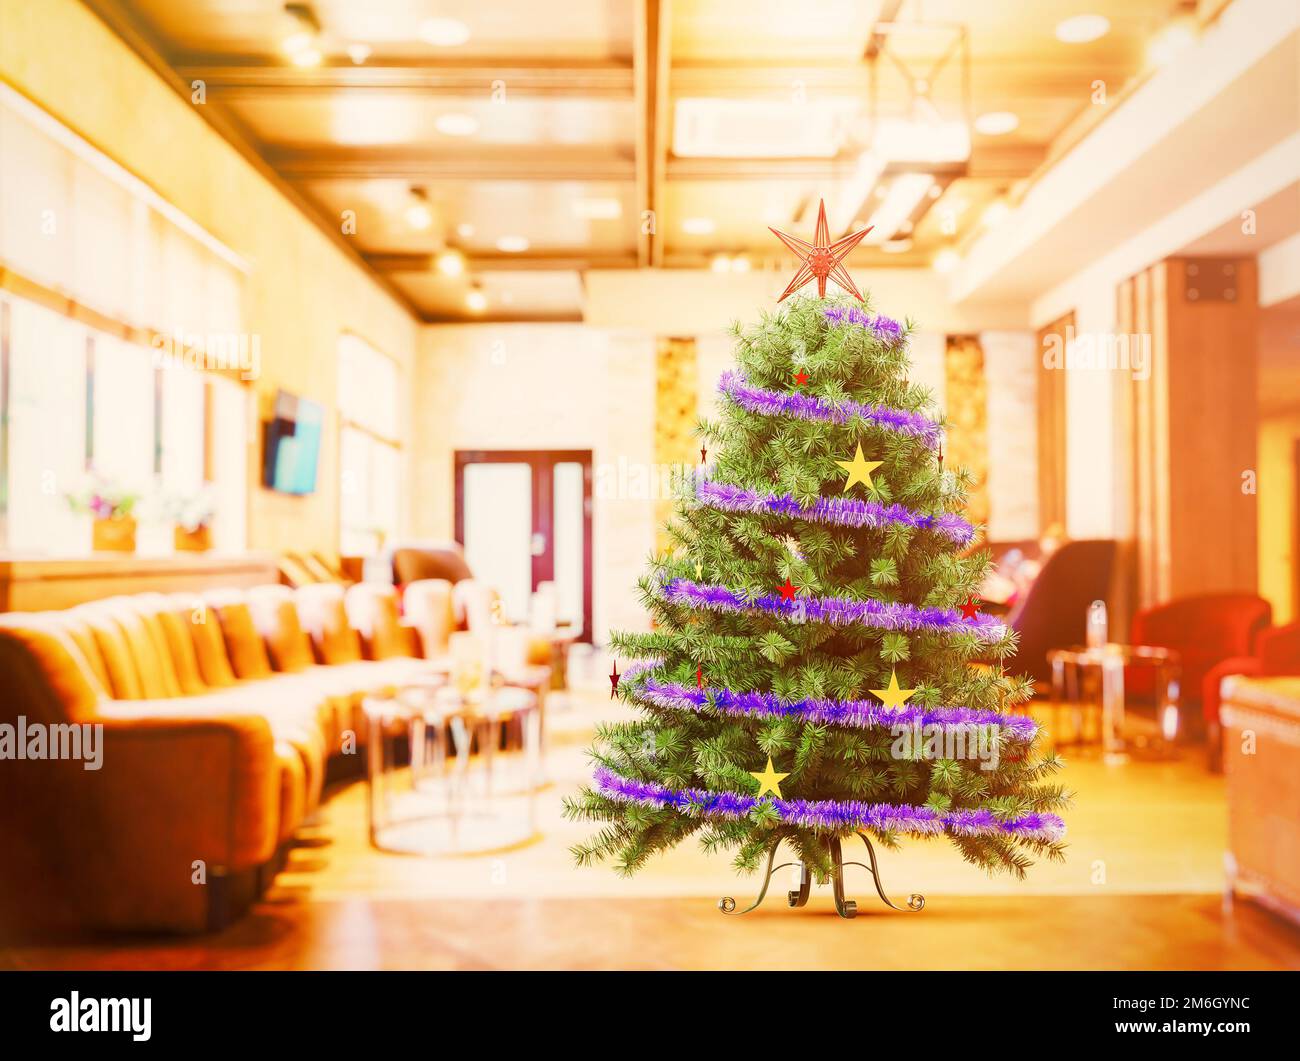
x=833 y=815
x=810 y=407
x=841 y=511
x=860 y=714
x=838 y=611
x=886 y=327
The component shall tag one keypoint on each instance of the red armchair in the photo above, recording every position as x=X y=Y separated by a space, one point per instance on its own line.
x=1277 y=653
x=1204 y=630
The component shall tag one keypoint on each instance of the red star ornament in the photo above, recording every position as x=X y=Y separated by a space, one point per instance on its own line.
x=821 y=258
x=970 y=608
x=800 y=377
x=613 y=681
x=788 y=590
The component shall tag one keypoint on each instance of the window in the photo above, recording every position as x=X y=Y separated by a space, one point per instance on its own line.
x=103 y=278
x=370 y=455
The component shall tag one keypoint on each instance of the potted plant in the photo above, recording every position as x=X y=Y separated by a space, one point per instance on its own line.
x=192 y=517
x=112 y=510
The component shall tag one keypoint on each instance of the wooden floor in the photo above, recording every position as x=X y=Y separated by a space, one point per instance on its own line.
x=1140 y=889
x=988 y=932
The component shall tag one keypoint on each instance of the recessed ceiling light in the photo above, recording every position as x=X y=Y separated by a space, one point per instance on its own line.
x=699 y=226
x=476 y=301
x=417 y=214
x=1082 y=28
x=996 y=123
x=451 y=263
x=444 y=32
x=995 y=214
x=740 y=264
x=598 y=209
x=456 y=123
x=358 y=53
x=1171 y=40
x=896 y=246
x=306 y=57
x=465 y=230
x=298 y=41
x=721 y=263
x=945 y=261
x=513 y=244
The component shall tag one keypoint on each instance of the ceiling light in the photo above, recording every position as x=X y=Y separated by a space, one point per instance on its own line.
x=306 y=57
x=904 y=195
x=945 y=261
x=995 y=214
x=910 y=140
x=418 y=215
x=1169 y=42
x=699 y=226
x=451 y=263
x=896 y=246
x=465 y=230
x=476 y=301
x=456 y=124
x=1082 y=28
x=358 y=53
x=996 y=123
x=513 y=244
x=720 y=264
x=740 y=264
x=444 y=32
x=598 y=209
x=298 y=41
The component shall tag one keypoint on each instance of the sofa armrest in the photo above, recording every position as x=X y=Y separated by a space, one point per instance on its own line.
x=1211 y=692
x=205 y=783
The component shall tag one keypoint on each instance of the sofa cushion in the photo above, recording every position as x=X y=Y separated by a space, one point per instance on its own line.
x=119 y=662
x=276 y=617
x=372 y=611
x=147 y=648
x=84 y=638
x=210 y=648
x=323 y=615
x=174 y=620
x=244 y=647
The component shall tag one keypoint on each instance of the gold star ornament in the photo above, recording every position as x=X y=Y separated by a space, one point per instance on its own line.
x=893 y=696
x=859 y=469
x=769 y=780
x=821 y=260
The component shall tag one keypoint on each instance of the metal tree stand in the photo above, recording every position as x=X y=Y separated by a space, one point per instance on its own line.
x=846 y=908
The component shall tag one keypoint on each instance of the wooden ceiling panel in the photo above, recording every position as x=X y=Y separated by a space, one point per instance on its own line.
x=550 y=128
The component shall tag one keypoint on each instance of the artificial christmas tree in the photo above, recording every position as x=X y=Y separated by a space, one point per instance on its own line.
x=818 y=666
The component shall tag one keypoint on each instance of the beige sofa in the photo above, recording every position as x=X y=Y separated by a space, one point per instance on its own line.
x=219 y=716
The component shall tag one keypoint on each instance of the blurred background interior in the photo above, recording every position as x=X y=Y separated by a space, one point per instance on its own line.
x=345 y=348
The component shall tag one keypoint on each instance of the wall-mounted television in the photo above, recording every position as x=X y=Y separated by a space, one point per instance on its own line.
x=292 y=445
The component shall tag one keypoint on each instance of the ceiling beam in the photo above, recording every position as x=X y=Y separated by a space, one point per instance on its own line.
x=128 y=27
x=369 y=163
x=1003 y=162
x=532 y=261
x=994 y=82
x=234 y=78
x=652 y=51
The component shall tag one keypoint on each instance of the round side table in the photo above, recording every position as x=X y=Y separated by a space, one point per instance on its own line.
x=457 y=792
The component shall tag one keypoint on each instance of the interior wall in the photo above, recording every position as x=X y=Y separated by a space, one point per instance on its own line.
x=302 y=292
x=547 y=386
x=575 y=386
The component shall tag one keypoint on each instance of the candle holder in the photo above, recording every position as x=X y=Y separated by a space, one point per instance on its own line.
x=846 y=908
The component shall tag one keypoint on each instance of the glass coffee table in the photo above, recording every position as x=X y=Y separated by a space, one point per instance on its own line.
x=455 y=791
x=1070 y=666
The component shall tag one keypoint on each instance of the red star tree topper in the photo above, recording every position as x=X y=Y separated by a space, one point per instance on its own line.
x=822 y=259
